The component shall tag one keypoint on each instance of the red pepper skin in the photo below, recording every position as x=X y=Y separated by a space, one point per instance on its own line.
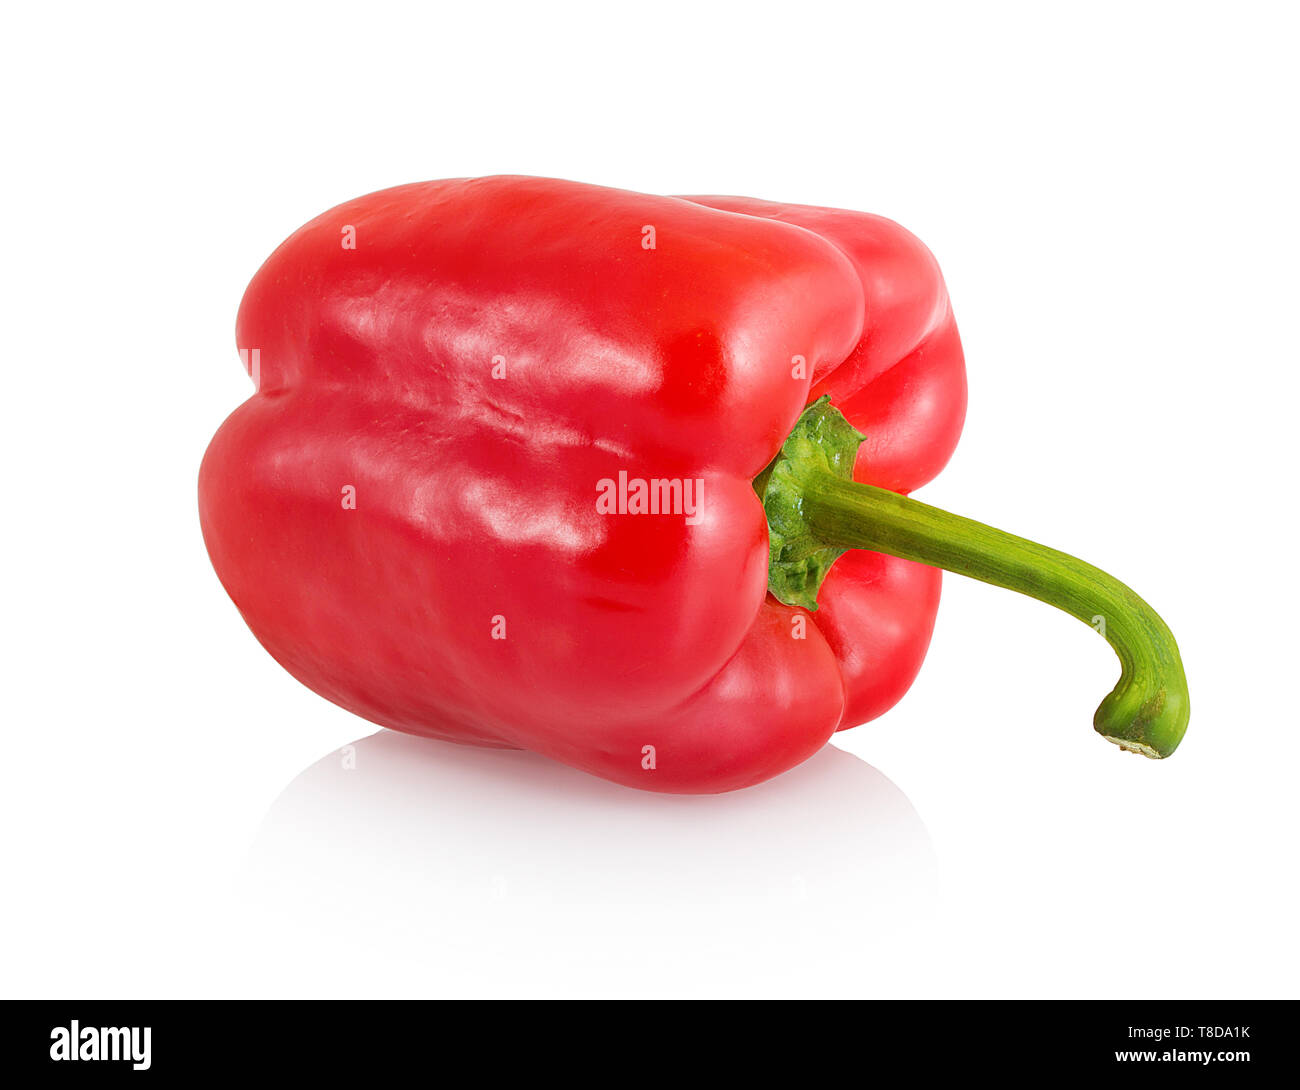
x=475 y=495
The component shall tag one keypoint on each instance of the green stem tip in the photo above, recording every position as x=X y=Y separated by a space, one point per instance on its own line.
x=816 y=511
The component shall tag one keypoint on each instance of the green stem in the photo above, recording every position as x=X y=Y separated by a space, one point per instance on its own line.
x=1148 y=709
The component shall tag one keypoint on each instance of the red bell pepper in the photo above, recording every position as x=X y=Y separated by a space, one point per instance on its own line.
x=546 y=465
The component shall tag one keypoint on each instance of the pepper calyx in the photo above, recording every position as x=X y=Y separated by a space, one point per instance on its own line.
x=822 y=441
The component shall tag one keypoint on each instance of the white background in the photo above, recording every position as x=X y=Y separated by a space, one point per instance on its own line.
x=1111 y=191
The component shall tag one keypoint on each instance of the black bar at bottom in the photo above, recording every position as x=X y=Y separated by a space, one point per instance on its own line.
x=611 y=1041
